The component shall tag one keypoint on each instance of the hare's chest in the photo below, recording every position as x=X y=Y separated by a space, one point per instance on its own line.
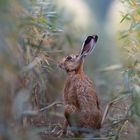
x=73 y=88
x=70 y=96
x=82 y=86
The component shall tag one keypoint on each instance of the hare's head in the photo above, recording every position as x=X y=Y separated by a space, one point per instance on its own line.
x=70 y=63
x=74 y=62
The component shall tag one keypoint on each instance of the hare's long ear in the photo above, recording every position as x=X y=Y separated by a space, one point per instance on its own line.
x=88 y=45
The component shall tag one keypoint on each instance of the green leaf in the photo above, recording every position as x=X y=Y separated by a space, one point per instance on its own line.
x=123 y=36
x=125 y=17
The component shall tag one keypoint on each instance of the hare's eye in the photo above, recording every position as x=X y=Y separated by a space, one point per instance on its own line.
x=68 y=58
x=77 y=55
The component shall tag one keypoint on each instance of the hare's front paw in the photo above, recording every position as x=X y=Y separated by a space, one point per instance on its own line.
x=69 y=109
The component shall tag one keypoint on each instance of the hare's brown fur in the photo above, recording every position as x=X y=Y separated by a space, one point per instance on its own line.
x=81 y=104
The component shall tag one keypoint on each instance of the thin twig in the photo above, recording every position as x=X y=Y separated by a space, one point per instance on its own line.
x=35 y=112
x=50 y=106
x=120 y=129
x=109 y=106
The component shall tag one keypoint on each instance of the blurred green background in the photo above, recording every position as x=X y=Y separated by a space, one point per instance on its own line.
x=36 y=34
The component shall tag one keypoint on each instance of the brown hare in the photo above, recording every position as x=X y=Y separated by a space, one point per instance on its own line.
x=81 y=105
